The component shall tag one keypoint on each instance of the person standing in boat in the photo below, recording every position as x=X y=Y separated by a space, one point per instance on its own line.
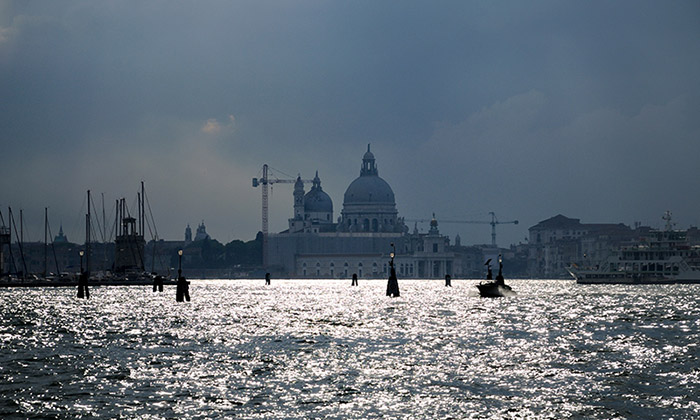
x=499 y=278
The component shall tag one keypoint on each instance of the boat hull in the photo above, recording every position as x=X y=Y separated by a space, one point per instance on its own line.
x=635 y=280
x=74 y=282
x=493 y=289
x=596 y=277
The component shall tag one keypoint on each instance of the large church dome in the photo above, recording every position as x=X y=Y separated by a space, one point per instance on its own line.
x=369 y=204
x=369 y=189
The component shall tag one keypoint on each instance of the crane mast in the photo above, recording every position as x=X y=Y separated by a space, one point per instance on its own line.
x=264 y=213
x=265 y=181
x=494 y=221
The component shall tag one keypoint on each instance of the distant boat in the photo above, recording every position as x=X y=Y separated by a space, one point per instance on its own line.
x=664 y=257
x=497 y=288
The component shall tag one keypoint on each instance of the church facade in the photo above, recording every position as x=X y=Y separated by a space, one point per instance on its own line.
x=359 y=242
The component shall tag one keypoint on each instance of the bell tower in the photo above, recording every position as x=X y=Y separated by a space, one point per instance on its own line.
x=299 y=199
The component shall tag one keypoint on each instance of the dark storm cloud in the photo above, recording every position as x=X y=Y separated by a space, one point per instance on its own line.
x=525 y=109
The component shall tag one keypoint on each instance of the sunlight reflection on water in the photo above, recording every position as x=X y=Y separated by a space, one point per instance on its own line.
x=314 y=349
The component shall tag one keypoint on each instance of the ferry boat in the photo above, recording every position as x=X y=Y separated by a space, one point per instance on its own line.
x=664 y=257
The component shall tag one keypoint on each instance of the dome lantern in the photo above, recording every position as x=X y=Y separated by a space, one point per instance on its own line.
x=369 y=166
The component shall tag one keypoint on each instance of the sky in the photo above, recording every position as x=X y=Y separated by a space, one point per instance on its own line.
x=525 y=109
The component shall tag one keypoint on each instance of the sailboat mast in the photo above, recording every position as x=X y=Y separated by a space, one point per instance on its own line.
x=143 y=211
x=104 y=223
x=46 y=240
x=5 y=237
x=19 y=243
x=53 y=248
x=21 y=240
x=9 y=248
x=138 y=201
x=154 y=234
x=104 y=233
x=116 y=219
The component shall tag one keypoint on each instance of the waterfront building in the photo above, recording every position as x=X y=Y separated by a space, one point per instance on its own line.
x=5 y=242
x=201 y=233
x=313 y=211
x=188 y=234
x=129 y=248
x=557 y=242
x=314 y=246
x=60 y=238
x=430 y=254
x=63 y=257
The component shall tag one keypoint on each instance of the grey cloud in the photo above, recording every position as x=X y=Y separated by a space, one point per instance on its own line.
x=524 y=109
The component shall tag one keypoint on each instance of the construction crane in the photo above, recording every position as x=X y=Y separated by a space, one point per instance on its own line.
x=494 y=221
x=264 y=182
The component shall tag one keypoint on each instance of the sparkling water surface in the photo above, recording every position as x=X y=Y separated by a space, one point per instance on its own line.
x=324 y=349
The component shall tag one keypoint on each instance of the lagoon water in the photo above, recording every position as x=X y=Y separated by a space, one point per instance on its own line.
x=323 y=349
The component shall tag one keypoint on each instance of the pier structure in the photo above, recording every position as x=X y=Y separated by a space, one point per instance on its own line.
x=182 y=292
x=5 y=241
x=129 y=243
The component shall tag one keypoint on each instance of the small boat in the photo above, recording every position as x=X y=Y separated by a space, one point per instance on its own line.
x=497 y=288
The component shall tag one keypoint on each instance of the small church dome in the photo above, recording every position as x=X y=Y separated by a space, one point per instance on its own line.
x=316 y=200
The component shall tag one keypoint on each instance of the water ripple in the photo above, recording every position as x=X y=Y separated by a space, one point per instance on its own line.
x=312 y=349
